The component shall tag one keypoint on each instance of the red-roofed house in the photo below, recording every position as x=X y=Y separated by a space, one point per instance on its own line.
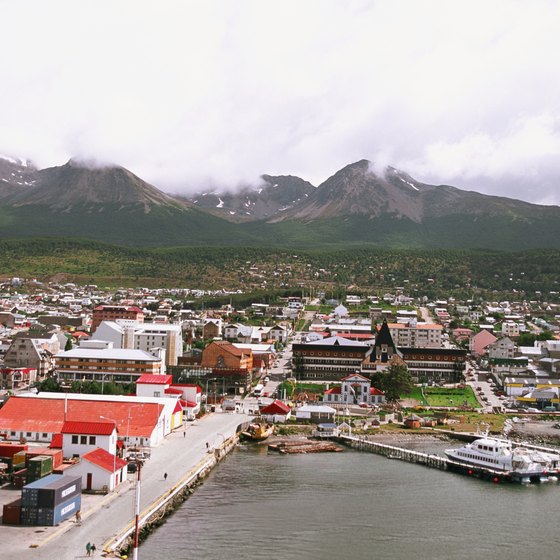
x=190 y=395
x=79 y=438
x=100 y=471
x=354 y=389
x=275 y=412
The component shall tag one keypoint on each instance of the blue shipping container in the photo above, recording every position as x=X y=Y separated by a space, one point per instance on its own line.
x=61 y=512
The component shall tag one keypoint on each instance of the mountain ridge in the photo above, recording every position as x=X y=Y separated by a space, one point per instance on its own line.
x=355 y=205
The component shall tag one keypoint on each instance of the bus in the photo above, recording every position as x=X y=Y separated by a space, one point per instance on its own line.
x=257 y=391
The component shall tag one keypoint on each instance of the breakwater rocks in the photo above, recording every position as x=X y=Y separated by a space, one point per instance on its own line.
x=292 y=446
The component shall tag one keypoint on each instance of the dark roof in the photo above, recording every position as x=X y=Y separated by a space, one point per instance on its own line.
x=384 y=336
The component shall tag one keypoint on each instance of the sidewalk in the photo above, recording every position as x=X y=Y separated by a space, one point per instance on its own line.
x=104 y=517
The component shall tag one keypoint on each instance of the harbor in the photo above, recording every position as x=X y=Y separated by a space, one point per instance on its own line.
x=445 y=463
x=186 y=456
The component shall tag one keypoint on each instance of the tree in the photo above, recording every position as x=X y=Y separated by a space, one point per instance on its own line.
x=394 y=382
x=68 y=345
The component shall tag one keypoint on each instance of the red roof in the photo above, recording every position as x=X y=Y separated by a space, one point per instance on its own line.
x=354 y=375
x=178 y=407
x=376 y=391
x=198 y=388
x=276 y=407
x=89 y=428
x=104 y=459
x=56 y=442
x=333 y=391
x=173 y=391
x=150 y=378
x=36 y=414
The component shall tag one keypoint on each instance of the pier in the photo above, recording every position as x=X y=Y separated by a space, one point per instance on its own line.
x=432 y=460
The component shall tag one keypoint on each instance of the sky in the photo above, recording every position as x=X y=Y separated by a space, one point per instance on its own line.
x=197 y=94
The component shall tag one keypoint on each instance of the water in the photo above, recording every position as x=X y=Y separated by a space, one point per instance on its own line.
x=355 y=505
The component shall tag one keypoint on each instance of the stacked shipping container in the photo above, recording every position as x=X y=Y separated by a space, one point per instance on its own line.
x=50 y=500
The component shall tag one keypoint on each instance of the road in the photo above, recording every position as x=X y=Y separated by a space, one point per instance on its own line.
x=176 y=456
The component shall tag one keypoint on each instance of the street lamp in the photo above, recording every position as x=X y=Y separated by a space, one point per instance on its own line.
x=115 y=452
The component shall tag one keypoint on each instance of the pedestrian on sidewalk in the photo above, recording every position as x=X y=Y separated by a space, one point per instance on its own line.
x=93 y=549
x=164 y=476
x=207 y=446
x=88 y=549
x=78 y=517
x=184 y=433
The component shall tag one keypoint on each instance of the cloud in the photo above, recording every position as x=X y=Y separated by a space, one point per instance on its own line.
x=215 y=93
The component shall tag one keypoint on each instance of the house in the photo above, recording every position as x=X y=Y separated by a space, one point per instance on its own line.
x=480 y=341
x=189 y=395
x=276 y=412
x=503 y=348
x=79 y=438
x=100 y=471
x=223 y=354
x=212 y=328
x=354 y=389
x=33 y=350
x=316 y=414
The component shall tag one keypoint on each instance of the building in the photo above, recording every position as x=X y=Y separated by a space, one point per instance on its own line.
x=34 y=351
x=149 y=337
x=99 y=361
x=100 y=471
x=329 y=359
x=315 y=413
x=140 y=421
x=276 y=412
x=503 y=348
x=416 y=335
x=435 y=364
x=113 y=312
x=189 y=394
x=223 y=354
x=480 y=341
x=354 y=390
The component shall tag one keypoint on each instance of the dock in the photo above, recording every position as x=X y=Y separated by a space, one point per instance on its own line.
x=431 y=460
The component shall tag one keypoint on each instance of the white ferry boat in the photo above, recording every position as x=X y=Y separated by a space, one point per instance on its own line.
x=500 y=455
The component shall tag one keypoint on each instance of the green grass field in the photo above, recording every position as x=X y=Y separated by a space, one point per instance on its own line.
x=444 y=396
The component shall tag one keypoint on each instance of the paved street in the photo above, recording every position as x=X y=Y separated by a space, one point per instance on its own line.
x=104 y=517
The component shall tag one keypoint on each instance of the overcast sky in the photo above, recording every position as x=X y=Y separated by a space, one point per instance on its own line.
x=187 y=94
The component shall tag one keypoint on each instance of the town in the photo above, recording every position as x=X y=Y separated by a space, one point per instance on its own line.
x=98 y=383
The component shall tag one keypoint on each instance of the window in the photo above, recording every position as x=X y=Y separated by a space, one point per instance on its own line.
x=75 y=439
x=83 y=440
x=28 y=434
x=13 y=433
x=92 y=440
x=45 y=436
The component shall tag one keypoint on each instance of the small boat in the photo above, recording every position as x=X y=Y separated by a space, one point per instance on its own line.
x=259 y=432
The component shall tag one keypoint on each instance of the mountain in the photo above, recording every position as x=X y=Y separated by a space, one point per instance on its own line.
x=15 y=176
x=356 y=206
x=273 y=195
x=106 y=203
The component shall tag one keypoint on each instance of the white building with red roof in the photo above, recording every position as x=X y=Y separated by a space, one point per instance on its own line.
x=354 y=389
x=100 y=471
x=142 y=421
x=79 y=438
x=189 y=394
x=276 y=412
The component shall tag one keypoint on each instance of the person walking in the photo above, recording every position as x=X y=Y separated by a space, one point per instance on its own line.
x=88 y=549
x=93 y=549
x=184 y=433
x=78 y=517
x=164 y=476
